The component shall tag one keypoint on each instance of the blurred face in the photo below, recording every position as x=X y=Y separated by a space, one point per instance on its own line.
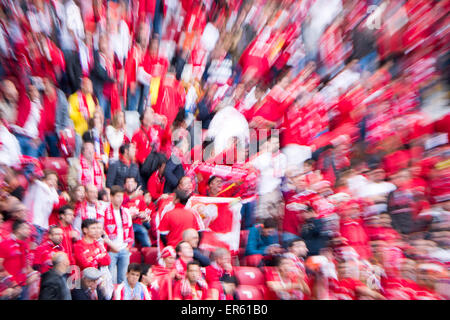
x=377 y=175
x=56 y=236
x=10 y=91
x=132 y=152
x=98 y=121
x=169 y=262
x=103 y=44
x=147 y=120
x=401 y=178
x=193 y=273
x=79 y=194
x=120 y=122
x=300 y=182
x=226 y=259
x=98 y=231
x=286 y=266
x=91 y=231
x=268 y=231
x=91 y=284
x=408 y=269
x=68 y=216
x=91 y=194
x=23 y=232
x=299 y=249
x=186 y=185
x=130 y=185
x=89 y=151
x=154 y=47
x=215 y=186
x=52 y=181
x=148 y=277
x=86 y=86
x=19 y=212
x=133 y=278
x=33 y=93
x=193 y=239
x=117 y=199
x=186 y=251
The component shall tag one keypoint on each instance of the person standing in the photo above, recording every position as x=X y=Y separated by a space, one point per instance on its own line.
x=119 y=228
x=54 y=282
x=70 y=235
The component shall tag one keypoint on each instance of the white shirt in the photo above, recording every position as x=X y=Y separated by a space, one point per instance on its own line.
x=272 y=169
x=115 y=139
x=119 y=240
x=31 y=126
x=40 y=199
x=73 y=19
x=9 y=148
x=209 y=37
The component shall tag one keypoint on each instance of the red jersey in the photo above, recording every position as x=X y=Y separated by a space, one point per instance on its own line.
x=184 y=291
x=17 y=258
x=345 y=289
x=141 y=139
x=67 y=242
x=356 y=237
x=91 y=254
x=213 y=273
x=175 y=222
x=43 y=255
x=138 y=205
x=155 y=185
x=218 y=286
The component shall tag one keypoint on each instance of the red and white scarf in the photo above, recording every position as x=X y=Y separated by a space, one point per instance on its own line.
x=83 y=106
x=81 y=209
x=86 y=173
x=111 y=224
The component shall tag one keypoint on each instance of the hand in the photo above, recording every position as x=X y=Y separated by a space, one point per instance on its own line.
x=74 y=234
x=66 y=196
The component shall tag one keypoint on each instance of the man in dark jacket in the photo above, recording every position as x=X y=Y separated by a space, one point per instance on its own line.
x=262 y=238
x=54 y=282
x=118 y=171
x=89 y=286
x=313 y=232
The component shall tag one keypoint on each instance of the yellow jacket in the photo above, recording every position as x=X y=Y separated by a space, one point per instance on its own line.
x=79 y=122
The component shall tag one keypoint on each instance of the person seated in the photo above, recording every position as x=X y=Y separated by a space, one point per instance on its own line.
x=131 y=288
x=90 y=289
x=262 y=237
x=192 y=286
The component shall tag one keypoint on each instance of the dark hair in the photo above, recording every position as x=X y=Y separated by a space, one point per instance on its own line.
x=180 y=117
x=182 y=195
x=123 y=148
x=130 y=177
x=115 y=189
x=134 y=267
x=49 y=172
x=193 y=263
x=178 y=247
x=212 y=178
x=17 y=224
x=278 y=260
x=144 y=269
x=270 y=223
x=88 y=222
x=53 y=227
x=101 y=194
x=290 y=243
x=63 y=209
x=310 y=162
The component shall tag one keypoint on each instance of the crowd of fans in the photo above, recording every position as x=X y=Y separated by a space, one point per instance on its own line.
x=106 y=105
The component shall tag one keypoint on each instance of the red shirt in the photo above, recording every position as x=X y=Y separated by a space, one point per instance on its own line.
x=91 y=254
x=357 y=237
x=141 y=139
x=213 y=273
x=155 y=185
x=218 y=286
x=67 y=242
x=200 y=292
x=43 y=255
x=17 y=258
x=175 y=222
x=50 y=112
x=139 y=204
x=345 y=289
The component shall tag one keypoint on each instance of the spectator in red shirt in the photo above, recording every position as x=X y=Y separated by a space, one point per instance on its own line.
x=155 y=185
x=15 y=256
x=44 y=253
x=70 y=235
x=185 y=255
x=220 y=266
x=193 y=286
x=177 y=220
x=88 y=251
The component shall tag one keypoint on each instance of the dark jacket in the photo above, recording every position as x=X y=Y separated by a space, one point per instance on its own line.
x=54 y=286
x=82 y=294
x=173 y=173
x=202 y=259
x=118 y=171
x=314 y=235
x=257 y=243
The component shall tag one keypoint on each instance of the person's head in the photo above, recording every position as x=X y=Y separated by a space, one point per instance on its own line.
x=103 y=44
x=184 y=251
x=90 y=228
x=377 y=175
x=350 y=209
x=78 y=193
x=308 y=165
x=298 y=247
x=66 y=214
x=18 y=210
x=182 y=196
x=270 y=226
x=221 y=256
x=90 y=278
x=88 y=150
x=49 y=87
x=91 y=193
x=103 y=195
x=61 y=262
x=130 y=184
x=193 y=273
x=9 y=91
x=154 y=46
x=284 y=265
x=116 y=196
x=428 y=274
x=21 y=229
x=215 y=184
x=147 y=276
x=118 y=120
x=191 y=236
x=401 y=178
x=51 y=178
x=33 y=93
x=55 y=235
x=133 y=274
x=162 y=160
x=97 y=121
x=86 y=86
x=142 y=35
x=168 y=255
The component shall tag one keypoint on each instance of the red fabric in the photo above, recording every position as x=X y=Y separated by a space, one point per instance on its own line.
x=67 y=242
x=43 y=255
x=155 y=185
x=91 y=254
x=86 y=176
x=23 y=112
x=345 y=289
x=111 y=225
x=175 y=222
x=213 y=273
x=143 y=144
x=17 y=258
x=49 y=104
x=356 y=237
x=171 y=97
x=138 y=204
x=177 y=292
x=396 y=161
x=218 y=286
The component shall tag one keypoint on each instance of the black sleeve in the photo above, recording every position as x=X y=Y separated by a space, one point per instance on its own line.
x=50 y=290
x=98 y=71
x=163 y=238
x=169 y=174
x=202 y=259
x=111 y=176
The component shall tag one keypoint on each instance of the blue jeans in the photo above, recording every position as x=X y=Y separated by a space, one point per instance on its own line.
x=137 y=100
x=51 y=140
x=141 y=235
x=119 y=265
x=27 y=147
